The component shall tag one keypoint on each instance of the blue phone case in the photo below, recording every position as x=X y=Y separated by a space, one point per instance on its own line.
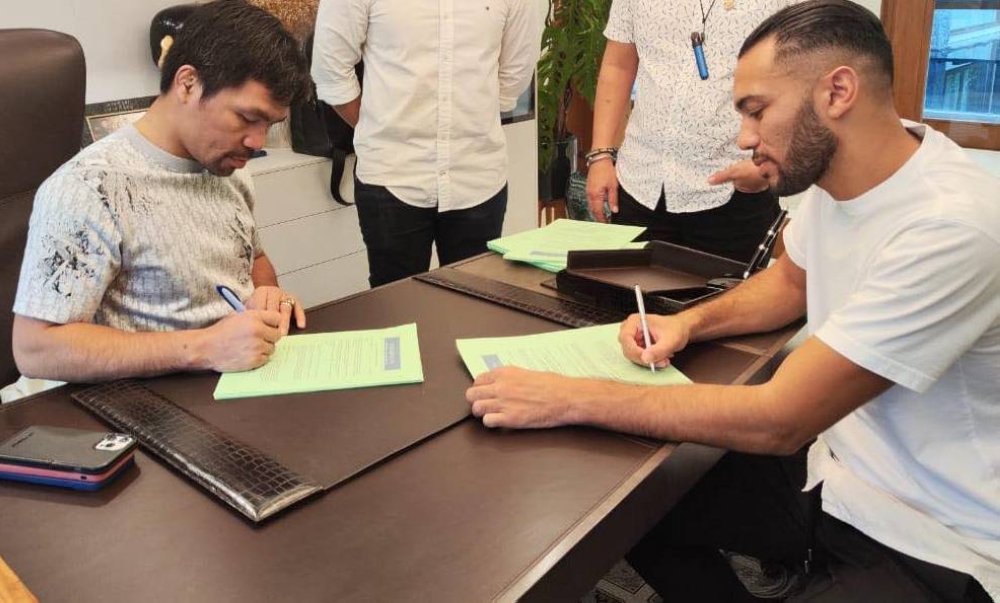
x=66 y=483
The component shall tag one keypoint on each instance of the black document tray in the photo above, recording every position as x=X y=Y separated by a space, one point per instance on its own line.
x=672 y=277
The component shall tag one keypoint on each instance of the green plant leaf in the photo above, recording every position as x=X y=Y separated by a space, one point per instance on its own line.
x=572 y=46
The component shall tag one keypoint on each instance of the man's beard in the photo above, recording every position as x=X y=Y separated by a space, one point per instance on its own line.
x=217 y=167
x=809 y=153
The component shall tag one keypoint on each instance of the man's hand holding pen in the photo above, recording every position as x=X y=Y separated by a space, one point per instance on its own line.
x=245 y=340
x=668 y=335
x=241 y=341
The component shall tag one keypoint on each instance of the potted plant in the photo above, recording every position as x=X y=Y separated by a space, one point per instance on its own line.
x=572 y=46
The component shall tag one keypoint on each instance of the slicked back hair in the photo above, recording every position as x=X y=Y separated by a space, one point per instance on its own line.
x=230 y=42
x=817 y=25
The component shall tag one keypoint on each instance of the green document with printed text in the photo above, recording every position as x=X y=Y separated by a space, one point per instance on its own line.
x=327 y=361
x=547 y=247
x=587 y=352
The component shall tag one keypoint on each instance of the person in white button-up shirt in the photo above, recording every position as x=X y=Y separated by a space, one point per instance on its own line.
x=431 y=154
x=894 y=257
x=678 y=172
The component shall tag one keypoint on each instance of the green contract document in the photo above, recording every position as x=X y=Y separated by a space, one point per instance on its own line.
x=548 y=246
x=587 y=352
x=325 y=361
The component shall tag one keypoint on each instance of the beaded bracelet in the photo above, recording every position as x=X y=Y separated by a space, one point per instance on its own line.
x=601 y=153
x=600 y=157
x=609 y=150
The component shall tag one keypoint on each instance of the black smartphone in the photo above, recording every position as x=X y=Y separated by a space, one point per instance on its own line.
x=61 y=456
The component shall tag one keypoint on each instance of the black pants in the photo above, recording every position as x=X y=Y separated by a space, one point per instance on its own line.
x=860 y=569
x=736 y=506
x=752 y=504
x=733 y=230
x=399 y=236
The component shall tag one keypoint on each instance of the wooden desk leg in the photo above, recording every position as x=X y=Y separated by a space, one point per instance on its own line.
x=550 y=211
x=559 y=210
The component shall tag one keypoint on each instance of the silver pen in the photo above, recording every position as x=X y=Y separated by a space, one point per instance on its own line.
x=642 y=320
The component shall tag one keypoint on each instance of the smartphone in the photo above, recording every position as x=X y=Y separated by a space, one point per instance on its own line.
x=71 y=458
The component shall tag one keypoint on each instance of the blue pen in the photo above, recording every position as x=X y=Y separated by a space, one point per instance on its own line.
x=231 y=298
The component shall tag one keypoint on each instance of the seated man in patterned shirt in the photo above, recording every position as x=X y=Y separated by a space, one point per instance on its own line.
x=129 y=239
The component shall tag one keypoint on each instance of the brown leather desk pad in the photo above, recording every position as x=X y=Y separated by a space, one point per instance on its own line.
x=468 y=515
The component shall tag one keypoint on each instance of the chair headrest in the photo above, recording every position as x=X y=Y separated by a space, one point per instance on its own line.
x=42 y=84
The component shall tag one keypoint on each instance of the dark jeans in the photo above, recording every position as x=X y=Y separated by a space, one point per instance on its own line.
x=752 y=504
x=399 y=236
x=733 y=230
x=735 y=507
x=859 y=568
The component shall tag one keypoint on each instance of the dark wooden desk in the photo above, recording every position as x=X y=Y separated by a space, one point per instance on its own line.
x=467 y=515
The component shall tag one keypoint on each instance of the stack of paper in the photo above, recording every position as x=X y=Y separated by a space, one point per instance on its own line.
x=587 y=352
x=547 y=247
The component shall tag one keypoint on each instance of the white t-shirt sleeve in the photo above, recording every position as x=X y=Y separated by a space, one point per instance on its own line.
x=619 y=27
x=794 y=233
x=929 y=295
x=73 y=252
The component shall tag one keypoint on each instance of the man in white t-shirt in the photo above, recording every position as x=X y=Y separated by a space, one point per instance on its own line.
x=129 y=239
x=895 y=257
x=678 y=172
x=432 y=158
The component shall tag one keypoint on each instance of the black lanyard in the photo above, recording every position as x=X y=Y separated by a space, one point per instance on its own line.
x=704 y=15
x=698 y=40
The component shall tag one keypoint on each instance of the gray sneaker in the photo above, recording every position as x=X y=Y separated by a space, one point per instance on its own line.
x=764 y=581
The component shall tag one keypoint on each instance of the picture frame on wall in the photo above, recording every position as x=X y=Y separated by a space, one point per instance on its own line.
x=101 y=119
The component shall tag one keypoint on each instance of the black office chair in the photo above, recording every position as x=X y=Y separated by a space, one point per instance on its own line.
x=42 y=84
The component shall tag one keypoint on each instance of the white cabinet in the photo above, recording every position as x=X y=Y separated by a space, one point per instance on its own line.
x=313 y=241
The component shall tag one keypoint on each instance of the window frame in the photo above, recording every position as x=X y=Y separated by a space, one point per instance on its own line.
x=908 y=24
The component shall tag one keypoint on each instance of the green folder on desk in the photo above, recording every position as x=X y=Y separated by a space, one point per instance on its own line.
x=586 y=352
x=328 y=361
x=548 y=246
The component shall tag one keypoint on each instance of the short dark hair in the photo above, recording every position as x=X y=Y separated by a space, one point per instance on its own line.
x=230 y=42
x=826 y=24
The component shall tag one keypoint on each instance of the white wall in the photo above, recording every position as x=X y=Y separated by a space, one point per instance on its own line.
x=873 y=5
x=114 y=35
